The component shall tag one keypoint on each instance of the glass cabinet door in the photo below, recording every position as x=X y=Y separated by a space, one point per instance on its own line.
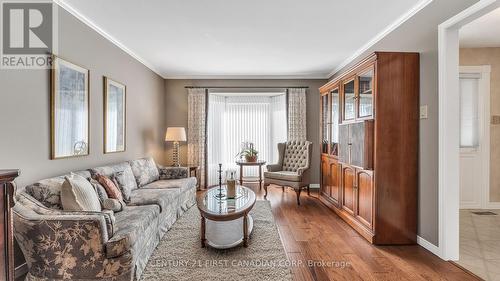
x=365 y=83
x=349 y=101
x=334 y=122
x=325 y=124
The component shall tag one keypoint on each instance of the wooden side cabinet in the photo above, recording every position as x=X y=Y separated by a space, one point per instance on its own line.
x=7 y=192
x=369 y=163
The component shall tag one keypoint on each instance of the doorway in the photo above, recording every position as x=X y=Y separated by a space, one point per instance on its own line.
x=450 y=150
x=474 y=89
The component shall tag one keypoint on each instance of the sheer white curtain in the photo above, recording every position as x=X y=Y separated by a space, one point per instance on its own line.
x=278 y=125
x=236 y=119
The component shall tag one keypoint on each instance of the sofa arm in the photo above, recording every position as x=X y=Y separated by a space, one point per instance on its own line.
x=66 y=246
x=274 y=168
x=169 y=173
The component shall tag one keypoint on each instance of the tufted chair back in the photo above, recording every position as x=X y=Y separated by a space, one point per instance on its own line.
x=297 y=154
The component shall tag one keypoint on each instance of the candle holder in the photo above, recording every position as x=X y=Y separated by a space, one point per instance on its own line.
x=221 y=195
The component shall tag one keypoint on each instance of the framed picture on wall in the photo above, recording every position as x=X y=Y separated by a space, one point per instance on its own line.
x=70 y=99
x=115 y=120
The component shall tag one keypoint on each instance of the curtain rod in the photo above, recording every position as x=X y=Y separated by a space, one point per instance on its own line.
x=228 y=87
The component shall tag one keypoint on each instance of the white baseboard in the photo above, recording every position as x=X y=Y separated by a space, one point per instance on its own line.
x=493 y=205
x=470 y=205
x=490 y=205
x=314 y=185
x=428 y=246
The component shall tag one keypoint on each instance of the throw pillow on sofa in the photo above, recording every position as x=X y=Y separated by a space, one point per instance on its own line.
x=114 y=205
x=111 y=189
x=124 y=184
x=145 y=171
x=171 y=173
x=101 y=191
x=77 y=194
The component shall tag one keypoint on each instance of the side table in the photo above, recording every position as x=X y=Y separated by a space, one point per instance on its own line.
x=259 y=163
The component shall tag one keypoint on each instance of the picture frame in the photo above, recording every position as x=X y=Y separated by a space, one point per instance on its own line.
x=115 y=116
x=70 y=109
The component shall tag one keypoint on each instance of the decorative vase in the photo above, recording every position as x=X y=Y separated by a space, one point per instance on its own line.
x=231 y=184
x=252 y=158
x=231 y=189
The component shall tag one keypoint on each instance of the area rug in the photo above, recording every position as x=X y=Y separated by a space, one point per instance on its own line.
x=179 y=255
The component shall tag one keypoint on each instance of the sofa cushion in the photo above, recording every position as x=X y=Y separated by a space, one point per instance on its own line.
x=77 y=194
x=111 y=187
x=101 y=191
x=125 y=185
x=114 y=205
x=145 y=171
x=169 y=173
x=283 y=175
x=47 y=192
x=148 y=196
x=182 y=184
x=109 y=171
x=130 y=226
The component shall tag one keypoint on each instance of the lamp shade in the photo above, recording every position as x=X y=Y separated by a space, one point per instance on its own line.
x=175 y=134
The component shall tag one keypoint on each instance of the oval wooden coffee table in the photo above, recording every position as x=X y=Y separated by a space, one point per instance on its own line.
x=225 y=223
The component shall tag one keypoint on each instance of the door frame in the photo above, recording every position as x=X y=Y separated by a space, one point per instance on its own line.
x=484 y=132
x=449 y=169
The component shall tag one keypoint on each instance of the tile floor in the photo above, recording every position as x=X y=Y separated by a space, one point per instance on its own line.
x=480 y=244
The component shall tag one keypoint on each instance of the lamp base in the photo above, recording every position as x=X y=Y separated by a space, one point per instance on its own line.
x=176 y=155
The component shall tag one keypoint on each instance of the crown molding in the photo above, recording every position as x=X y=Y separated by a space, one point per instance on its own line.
x=106 y=35
x=248 y=77
x=398 y=22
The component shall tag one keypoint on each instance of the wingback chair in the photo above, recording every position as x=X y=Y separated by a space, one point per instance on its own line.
x=292 y=167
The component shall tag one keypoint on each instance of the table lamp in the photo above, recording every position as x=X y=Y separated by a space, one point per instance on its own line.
x=175 y=134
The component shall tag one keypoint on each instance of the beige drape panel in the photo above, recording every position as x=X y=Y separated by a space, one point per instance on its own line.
x=297 y=114
x=197 y=122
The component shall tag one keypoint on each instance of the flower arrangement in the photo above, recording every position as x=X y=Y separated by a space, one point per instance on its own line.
x=248 y=151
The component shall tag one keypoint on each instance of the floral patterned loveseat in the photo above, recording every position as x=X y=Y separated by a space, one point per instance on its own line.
x=107 y=245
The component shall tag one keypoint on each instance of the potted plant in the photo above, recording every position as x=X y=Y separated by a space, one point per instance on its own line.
x=248 y=151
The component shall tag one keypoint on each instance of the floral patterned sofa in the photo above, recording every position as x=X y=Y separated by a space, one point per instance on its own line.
x=107 y=245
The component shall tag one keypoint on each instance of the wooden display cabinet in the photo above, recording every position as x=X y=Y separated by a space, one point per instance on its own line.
x=369 y=161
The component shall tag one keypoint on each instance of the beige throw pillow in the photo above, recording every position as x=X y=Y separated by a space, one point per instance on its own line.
x=77 y=194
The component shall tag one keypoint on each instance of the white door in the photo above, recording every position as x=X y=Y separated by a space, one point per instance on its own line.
x=474 y=146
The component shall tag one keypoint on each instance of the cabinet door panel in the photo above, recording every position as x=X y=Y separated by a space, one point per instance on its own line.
x=344 y=143
x=335 y=120
x=361 y=134
x=325 y=180
x=325 y=124
x=365 y=90
x=349 y=101
x=364 y=210
x=334 y=181
x=348 y=183
x=357 y=131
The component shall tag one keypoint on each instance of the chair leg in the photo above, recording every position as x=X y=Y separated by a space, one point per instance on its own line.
x=308 y=190
x=298 y=195
x=283 y=188
x=265 y=189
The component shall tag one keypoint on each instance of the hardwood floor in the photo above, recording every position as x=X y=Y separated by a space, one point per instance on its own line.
x=313 y=233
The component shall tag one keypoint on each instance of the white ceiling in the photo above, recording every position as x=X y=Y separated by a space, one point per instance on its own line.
x=242 y=38
x=483 y=32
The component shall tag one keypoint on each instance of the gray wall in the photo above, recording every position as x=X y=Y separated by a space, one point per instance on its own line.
x=25 y=114
x=176 y=104
x=420 y=34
